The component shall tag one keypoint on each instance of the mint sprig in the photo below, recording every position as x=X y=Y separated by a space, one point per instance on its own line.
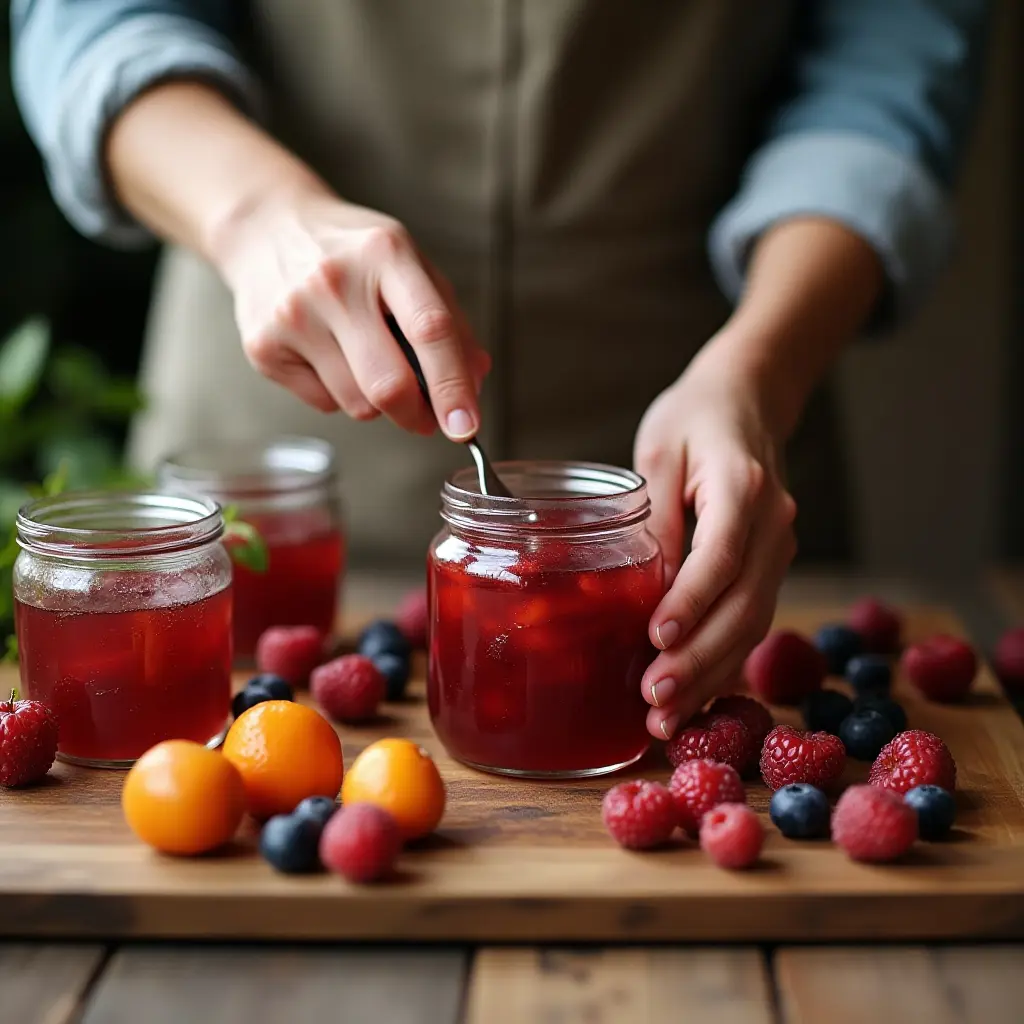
x=244 y=543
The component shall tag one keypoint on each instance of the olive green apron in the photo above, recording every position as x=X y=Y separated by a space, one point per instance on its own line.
x=560 y=160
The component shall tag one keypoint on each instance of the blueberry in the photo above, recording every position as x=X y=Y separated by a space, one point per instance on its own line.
x=800 y=811
x=278 y=688
x=839 y=644
x=935 y=808
x=825 y=710
x=886 y=707
x=395 y=671
x=249 y=698
x=383 y=638
x=318 y=809
x=290 y=844
x=864 y=734
x=869 y=673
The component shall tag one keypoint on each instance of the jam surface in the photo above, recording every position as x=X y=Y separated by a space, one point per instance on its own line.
x=121 y=681
x=535 y=663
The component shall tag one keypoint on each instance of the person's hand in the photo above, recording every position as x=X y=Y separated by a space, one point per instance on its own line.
x=705 y=443
x=313 y=277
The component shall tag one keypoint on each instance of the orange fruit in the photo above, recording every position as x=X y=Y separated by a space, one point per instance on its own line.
x=284 y=753
x=400 y=777
x=182 y=798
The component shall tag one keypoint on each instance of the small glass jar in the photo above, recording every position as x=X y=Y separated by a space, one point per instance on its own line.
x=539 y=613
x=123 y=617
x=287 y=489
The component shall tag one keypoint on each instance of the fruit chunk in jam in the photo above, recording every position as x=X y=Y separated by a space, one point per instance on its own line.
x=535 y=664
x=122 y=681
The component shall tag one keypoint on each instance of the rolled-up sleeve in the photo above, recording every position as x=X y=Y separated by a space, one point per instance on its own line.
x=77 y=63
x=880 y=106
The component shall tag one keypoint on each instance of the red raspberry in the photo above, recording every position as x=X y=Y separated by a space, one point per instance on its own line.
x=784 y=668
x=349 y=689
x=28 y=741
x=291 y=652
x=360 y=842
x=790 y=755
x=699 y=786
x=711 y=738
x=732 y=836
x=752 y=713
x=914 y=758
x=413 y=618
x=879 y=627
x=639 y=815
x=873 y=824
x=1009 y=659
x=941 y=667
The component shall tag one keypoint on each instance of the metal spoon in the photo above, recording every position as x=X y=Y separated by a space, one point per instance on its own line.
x=490 y=482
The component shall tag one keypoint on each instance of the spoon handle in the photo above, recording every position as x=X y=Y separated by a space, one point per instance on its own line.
x=410 y=354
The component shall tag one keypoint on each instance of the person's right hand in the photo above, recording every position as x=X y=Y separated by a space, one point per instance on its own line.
x=313 y=277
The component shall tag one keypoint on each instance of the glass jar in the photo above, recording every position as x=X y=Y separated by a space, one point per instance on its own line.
x=123 y=617
x=539 y=612
x=287 y=489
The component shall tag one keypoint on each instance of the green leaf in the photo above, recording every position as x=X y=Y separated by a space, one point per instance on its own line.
x=88 y=460
x=22 y=358
x=245 y=545
x=78 y=375
x=12 y=497
x=11 y=653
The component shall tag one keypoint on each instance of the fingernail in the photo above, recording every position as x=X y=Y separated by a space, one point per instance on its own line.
x=662 y=691
x=460 y=424
x=668 y=726
x=667 y=634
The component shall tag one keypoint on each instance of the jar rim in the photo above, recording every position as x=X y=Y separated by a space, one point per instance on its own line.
x=89 y=525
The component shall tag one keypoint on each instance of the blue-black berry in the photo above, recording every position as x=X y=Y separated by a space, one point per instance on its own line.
x=383 y=637
x=886 y=707
x=864 y=734
x=800 y=811
x=869 y=674
x=278 y=688
x=249 y=698
x=935 y=808
x=825 y=710
x=318 y=809
x=290 y=844
x=839 y=644
x=395 y=670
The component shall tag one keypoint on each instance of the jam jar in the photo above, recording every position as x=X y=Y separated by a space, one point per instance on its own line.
x=123 y=618
x=287 y=489
x=539 y=613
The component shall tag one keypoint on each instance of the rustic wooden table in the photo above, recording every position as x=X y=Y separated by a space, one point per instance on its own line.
x=98 y=983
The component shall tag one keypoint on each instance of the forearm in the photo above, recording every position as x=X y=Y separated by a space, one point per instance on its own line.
x=187 y=164
x=811 y=286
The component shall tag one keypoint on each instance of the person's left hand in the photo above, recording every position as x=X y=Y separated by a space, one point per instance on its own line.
x=706 y=444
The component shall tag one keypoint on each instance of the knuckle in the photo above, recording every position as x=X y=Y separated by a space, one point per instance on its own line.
x=787 y=508
x=727 y=560
x=264 y=350
x=651 y=459
x=697 y=662
x=430 y=325
x=385 y=241
x=750 y=478
x=329 y=278
x=386 y=392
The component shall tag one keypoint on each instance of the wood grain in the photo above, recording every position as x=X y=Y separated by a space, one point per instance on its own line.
x=258 y=985
x=524 y=861
x=622 y=986
x=944 y=985
x=42 y=984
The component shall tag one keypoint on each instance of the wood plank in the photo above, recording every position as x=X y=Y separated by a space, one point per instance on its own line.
x=620 y=986
x=259 y=985
x=525 y=861
x=938 y=985
x=44 y=984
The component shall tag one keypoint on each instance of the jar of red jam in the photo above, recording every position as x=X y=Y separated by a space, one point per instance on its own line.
x=123 y=617
x=287 y=489
x=539 y=613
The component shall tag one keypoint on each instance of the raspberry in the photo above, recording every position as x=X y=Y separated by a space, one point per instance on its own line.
x=752 y=713
x=413 y=618
x=698 y=786
x=732 y=836
x=784 y=668
x=28 y=741
x=941 y=667
x=639 y=815
x=914 y=758
x=873 y=824
x=1008 y=659
x=790 y=755
x=879 y=627
x=349 y=689
x=291 y=652
x=711 y=738
x=361 y=842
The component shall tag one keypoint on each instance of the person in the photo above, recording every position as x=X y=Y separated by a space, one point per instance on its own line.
x=566 y=193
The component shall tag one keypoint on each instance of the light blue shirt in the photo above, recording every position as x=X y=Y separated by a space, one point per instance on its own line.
x=882 y=100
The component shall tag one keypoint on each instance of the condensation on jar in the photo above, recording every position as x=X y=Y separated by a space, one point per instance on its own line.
x=539 y=609
x=288 y=489
x=123 y=618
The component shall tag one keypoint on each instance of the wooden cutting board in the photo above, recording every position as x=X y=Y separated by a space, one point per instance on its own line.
x=530 y=861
